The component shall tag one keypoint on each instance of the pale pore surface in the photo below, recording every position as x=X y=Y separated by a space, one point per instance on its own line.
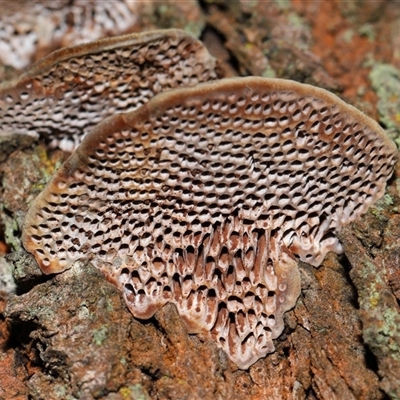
x=63 y=96
x=27 y=26
x=200 y=197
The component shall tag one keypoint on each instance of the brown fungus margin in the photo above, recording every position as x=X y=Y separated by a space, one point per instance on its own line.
x=203 y=196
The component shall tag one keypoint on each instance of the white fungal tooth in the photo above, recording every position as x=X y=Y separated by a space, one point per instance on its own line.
x=209 y=216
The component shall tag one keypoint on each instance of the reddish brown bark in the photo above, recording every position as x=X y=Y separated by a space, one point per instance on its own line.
x=71 y=336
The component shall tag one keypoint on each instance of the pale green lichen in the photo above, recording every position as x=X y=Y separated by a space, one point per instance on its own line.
x=296 y=20
x=83 y=312
x=134 y=392
x=380 y=318
x=170 y=14
x=268 y=72
x=100 y=335
x=123 y=361
x=381 y=205
x=47 y=166
x=7 y=282
x=348 y=35
x=283 y=4
x=62 y=392
x=372 y=298
x=385 y=333
x=11 y=230
x=46 y=312
x=385 y=80
x=368 y=31
x=109 y=305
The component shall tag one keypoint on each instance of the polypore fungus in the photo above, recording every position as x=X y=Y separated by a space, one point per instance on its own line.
x=27 y=26
x=203 y=196
x=63 y=96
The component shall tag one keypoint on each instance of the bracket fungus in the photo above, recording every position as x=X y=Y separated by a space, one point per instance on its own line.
x=27 y=27
x=203 y=197
x=64 y=95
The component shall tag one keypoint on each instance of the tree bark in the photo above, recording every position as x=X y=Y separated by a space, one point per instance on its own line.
x=70 y=336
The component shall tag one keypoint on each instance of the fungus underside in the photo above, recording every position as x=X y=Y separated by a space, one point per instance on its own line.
x=63 y=96
x=204 y=196
x=31 y=27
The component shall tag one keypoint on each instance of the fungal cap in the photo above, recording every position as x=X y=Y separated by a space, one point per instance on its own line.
x=63 y=96
x=203 y=196
x=36 y=26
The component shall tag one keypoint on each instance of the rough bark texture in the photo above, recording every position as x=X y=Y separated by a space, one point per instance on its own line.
x=70 y=336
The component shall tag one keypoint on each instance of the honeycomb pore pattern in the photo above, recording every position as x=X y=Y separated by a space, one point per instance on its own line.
x=63 y=96
x=203 y=196
x=29 y=27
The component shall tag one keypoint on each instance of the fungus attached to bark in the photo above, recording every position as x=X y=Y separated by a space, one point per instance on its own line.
x=28 y=27
x=63 y=96
x=203 y=196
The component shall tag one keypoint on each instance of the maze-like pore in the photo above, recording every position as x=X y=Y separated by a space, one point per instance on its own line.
x=204 y=196
x=61 y=98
